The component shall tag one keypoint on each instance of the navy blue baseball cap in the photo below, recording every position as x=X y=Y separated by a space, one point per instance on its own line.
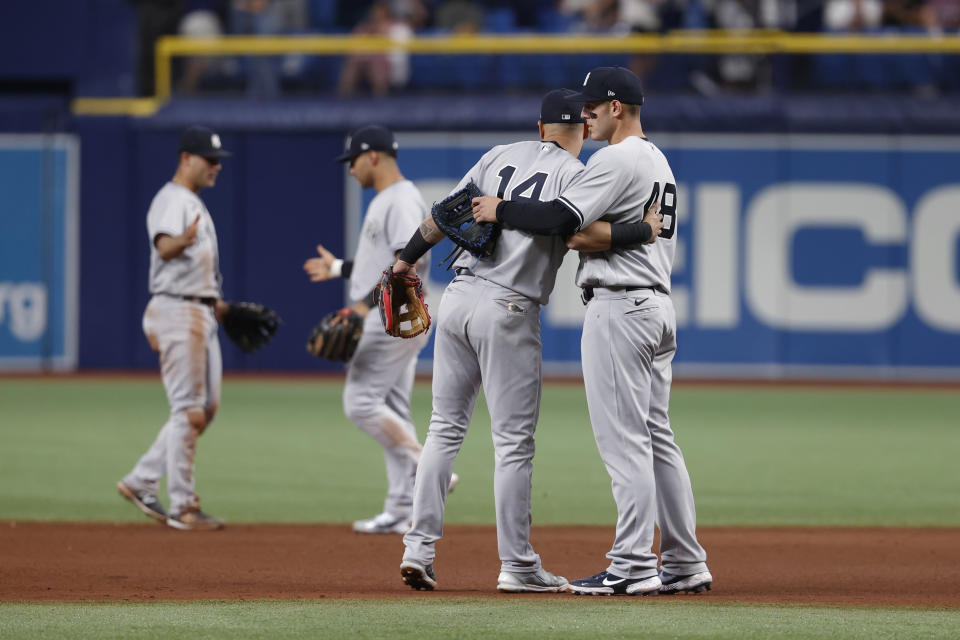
x=556 y=108
x=611 y=83
x=202 y=142
x=370 y=138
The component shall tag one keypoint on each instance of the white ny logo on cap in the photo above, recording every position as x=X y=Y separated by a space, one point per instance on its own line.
x=587 y=78
x=215 y=141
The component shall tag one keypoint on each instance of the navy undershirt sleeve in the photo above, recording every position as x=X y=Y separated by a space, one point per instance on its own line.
x=542 y=218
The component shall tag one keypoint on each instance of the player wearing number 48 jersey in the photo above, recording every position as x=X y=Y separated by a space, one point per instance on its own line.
x=488 y=331
x=629 y=336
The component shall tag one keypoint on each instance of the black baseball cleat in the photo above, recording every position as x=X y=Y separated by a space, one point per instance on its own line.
x=145 y=501
x=693 y=583
x=417 y=576
x=607 y=584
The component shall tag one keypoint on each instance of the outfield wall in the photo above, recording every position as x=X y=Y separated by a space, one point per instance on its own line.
x=799 y=255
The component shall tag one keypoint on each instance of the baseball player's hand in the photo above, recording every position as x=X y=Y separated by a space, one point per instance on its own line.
x=485 y=208
x=653 y=218
x=190 y=234
x=594 y=237
x=220 y=310
x=319 y=268
x=402 y=267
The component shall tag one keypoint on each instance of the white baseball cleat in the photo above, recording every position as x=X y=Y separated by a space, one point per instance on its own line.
x=694 y=583
x=539 y=581
x=383 y=523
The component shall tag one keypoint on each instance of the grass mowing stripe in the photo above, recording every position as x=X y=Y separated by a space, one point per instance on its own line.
x=513 y=617
x=282 y=451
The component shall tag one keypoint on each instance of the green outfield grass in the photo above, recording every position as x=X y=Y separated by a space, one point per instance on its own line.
x=509 y=617
x=282 y=451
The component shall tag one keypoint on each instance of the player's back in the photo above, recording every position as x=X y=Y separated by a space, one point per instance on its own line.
x=627 y=178
x=523 y=262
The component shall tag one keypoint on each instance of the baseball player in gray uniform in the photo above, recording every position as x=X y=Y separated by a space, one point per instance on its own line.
x=629 y=337
x=380 y=374
x=180 y=323
x=488 y=332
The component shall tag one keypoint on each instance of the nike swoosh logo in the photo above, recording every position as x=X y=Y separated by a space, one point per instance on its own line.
x=639 y=302
x=607 y=582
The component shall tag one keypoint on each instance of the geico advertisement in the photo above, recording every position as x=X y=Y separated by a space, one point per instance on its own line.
x=38 y=252
x=796 y=254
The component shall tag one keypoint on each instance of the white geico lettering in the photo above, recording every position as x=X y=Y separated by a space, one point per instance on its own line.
x=933 y=258
x=25 y=305
x=778 y=213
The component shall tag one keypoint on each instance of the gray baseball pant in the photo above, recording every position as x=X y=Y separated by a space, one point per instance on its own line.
x=185 y=336
x=628 y=344
x=376 y=398
x=490 y=335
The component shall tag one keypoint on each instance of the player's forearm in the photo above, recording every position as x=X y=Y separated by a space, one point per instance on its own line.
x=169 y=247
x=220 y=309
x=603 y=236
x=423 y=239
x=541 y=218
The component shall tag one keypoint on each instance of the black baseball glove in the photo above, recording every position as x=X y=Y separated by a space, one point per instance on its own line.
x=250 y=326
x=454 y=216
x=337 y=335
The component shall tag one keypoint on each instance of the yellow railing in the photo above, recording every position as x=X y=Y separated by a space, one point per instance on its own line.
x=678 y=42
x=709 y=42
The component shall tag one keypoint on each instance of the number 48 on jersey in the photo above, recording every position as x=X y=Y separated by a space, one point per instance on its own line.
x=668 y=207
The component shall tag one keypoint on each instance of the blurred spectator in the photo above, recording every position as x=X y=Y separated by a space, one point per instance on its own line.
x=643 y=16
x=377 y=70
x=740 y=71
x=593 y=15
x=852 y=15
x=943 y=15
x=264 y=18
x=905 y=13
x=415 y=13
x=459 y=16
x=202 y=23
x=155 y=18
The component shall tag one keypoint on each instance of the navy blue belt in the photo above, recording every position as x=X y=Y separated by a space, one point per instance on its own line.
x=587 y=294
x=210 y=302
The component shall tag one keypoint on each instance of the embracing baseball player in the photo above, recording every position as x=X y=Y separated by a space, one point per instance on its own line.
x=180 y=323
x=629 y=336
x=488 y=331
x=380 y=373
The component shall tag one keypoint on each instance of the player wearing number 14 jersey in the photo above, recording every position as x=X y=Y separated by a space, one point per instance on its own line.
x=629 y=336
x=488 y=332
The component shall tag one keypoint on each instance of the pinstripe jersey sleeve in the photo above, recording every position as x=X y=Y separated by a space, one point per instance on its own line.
x=597 y=188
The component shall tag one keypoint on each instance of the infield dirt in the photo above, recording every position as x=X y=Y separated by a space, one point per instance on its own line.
x=146 y=562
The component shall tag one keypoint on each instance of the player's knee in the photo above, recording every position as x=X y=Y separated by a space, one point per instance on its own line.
x=197 y=419
x=360 y=406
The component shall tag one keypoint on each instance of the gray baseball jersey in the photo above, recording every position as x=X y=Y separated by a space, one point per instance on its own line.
x=196 y=271
x=620 y=182
x=392 y=217
x=488 y=330
x=627 y=349
x=523 y=262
